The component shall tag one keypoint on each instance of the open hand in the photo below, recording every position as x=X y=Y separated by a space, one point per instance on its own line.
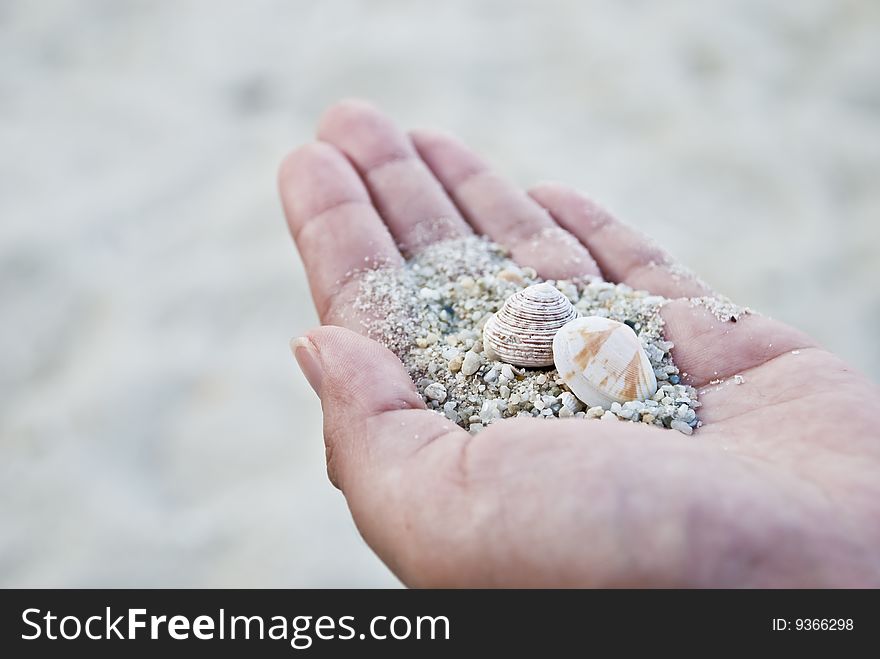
x=780 y=486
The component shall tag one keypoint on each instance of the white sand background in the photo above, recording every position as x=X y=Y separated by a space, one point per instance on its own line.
x=154 y=429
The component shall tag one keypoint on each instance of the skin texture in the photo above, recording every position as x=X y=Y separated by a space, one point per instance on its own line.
x=780 y=487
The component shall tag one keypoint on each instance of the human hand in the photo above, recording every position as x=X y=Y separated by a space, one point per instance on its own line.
x=780 y=486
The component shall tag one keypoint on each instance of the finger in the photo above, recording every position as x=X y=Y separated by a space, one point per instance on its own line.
x=718 y=354
x=711 y=348
x=502 y=211
x=409 y=198
x=376 y=428
x=335 y=226
x=624 y=255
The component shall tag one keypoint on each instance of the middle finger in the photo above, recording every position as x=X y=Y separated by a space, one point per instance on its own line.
x=412 y=202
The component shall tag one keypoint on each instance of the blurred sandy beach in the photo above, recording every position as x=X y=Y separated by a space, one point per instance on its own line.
x=154 y=428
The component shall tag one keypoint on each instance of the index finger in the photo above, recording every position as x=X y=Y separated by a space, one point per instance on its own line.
x=337 y=230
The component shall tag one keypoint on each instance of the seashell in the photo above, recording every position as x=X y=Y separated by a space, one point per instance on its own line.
x=522 y=331
x=603 y=362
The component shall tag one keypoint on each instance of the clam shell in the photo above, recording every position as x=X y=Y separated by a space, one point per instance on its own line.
x=602 y=362
x=522 y=331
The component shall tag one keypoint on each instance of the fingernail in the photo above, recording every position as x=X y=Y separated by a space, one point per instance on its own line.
x=306 y=355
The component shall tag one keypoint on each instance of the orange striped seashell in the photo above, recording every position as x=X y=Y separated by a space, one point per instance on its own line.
x=602 y=362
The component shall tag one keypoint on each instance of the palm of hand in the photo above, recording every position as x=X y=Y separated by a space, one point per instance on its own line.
x=779 y=487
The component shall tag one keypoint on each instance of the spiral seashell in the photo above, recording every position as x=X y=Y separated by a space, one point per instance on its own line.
x=602 y=362
x=522 y=331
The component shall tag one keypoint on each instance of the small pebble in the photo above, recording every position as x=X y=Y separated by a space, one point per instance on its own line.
x=511 y=274
x=436 y=391
x=471 y=364
x=570 y=402
x=429 y=294
x=681 y=427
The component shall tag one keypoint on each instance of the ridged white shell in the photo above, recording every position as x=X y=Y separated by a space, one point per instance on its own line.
x=522 y=331
x=602 y=362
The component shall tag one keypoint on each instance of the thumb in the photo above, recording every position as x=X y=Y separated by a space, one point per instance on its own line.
x=375 y=424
